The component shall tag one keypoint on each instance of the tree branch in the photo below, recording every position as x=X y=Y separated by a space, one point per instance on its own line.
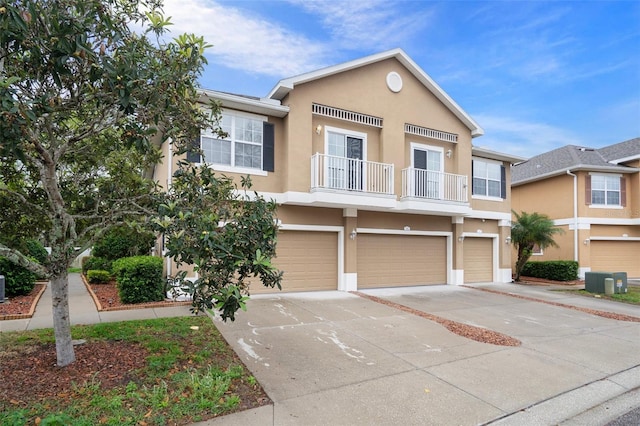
x=20 y=259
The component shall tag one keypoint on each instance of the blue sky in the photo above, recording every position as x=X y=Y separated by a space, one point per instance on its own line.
x=534 y=75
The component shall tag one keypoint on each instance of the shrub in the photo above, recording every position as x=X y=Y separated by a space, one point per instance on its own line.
x=93 y=263
x=123 y=241
x=98 y=276
x=37 y=251
x=557 y=270
x=139 y=279
x=18 y=280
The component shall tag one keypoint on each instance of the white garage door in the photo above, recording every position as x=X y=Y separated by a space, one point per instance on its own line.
x=478 y=260
x=401 y=260
x=308 y=259
x=616 y=256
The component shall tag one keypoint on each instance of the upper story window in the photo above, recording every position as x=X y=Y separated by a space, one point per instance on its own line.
x=489 y=179
x=247 y=148
x=605 y=190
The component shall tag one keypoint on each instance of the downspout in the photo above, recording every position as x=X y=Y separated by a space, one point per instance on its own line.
x=169 y=182
x=575 y=215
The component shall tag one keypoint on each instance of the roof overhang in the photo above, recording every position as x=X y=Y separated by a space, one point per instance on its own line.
x=494 y=155
x=264 y=106
x=284 y=86
x=578 y=168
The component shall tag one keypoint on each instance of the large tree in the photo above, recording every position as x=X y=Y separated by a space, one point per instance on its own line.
x=530 y=230
x=89 y=90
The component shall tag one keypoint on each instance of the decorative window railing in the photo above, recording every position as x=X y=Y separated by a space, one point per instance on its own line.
x=350 y=174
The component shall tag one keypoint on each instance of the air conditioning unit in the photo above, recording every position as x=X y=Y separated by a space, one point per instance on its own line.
x=594 y=282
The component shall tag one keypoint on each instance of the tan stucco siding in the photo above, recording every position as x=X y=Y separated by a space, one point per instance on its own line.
x=553 y=197
x=378 y=220
x=364 y=90
x=299 y=215
x=484 y=226
x=615 y=231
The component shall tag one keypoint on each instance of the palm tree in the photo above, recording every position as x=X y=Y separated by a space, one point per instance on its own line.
x=528 y=231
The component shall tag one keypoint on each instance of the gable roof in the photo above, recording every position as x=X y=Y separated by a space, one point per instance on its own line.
x=572 y=157
x=284 y=86
x=477 y=151
x=245 y=103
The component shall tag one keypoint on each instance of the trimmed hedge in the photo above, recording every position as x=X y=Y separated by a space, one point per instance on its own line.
x=98 y=276
x=94 y=263
x=557 y=270
x=139 y=279
x=18 y=280
x=123 y=241
x=37 y=251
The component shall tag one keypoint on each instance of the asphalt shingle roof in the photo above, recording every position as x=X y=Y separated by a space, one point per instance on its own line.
x=571 y=157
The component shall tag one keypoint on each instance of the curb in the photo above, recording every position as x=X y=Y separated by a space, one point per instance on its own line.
x=33 y=306
x=100 y=308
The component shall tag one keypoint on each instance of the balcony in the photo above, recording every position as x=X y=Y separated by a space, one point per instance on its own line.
x=349 y=174
x=429 y=185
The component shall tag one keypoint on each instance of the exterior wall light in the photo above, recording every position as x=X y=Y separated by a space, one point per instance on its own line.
x=461 y=238
x=318 y=129
x=508 y=240
x=586 y=241
x=353 y=234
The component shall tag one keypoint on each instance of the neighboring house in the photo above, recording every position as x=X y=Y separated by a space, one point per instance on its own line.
x=377 y=182
x=594 y=195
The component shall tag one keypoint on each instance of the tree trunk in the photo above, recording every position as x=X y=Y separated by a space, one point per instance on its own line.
x=61 y=320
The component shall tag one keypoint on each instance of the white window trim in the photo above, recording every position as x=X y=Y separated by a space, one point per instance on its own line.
x=487 y=197
x=423 y=147
x=345 y=132
x=605 y=206
x=233 y=169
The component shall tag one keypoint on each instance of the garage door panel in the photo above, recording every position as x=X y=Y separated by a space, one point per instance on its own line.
x=616 y=256
x=478 y=260
x=401 y=260
x=308 y=259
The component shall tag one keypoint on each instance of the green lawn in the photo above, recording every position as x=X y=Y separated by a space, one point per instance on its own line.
x=185 y=372
x=632 y=296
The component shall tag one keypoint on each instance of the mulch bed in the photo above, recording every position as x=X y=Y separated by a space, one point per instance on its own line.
x=20 y=307
x=478 y=334
x=106 y=298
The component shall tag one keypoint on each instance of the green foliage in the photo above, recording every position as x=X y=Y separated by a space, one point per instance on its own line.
x=530 y=230
x=95 y=263
x=200 y=377
x=18 y=280
x=557 y=270
x=123 y=241
x=89 y=92
x=139 y=279
x=36 y=250
x=227 y=256
x=98 y=276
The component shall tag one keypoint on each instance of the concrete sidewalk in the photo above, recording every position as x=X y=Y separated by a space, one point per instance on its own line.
x=82 y=310
x=336 y=358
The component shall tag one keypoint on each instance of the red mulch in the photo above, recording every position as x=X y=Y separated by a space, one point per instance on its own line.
x=31 y=374
x=107 y=298
x=478 y=334
x=21 y=306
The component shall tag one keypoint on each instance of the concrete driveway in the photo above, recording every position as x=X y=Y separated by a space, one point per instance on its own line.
x=336 y=358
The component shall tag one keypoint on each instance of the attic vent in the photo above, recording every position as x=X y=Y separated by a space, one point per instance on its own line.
x=430 y=133
x=343 y=114
x=586 y=149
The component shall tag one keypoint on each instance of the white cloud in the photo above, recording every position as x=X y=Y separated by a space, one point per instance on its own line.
x=368 y=24
x=245 y=42
x=518 y=137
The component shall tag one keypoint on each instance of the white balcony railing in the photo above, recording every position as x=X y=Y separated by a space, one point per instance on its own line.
x=349 y=174
x=420 y=183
